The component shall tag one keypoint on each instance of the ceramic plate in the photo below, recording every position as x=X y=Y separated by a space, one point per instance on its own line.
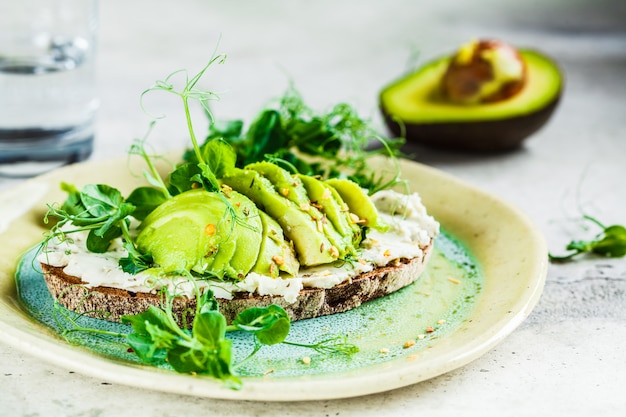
x=487 y=244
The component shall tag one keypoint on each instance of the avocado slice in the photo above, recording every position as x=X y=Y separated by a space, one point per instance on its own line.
x=202 y=231
x=292 y=188
x=276 y=253
x=329 y=202
x=311 y=244
x=358 y=202
x=285 y=184
x=247 y=234
x=414 y=105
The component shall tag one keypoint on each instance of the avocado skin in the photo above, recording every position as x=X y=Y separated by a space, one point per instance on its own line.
x=477 y=135
x=480 y=136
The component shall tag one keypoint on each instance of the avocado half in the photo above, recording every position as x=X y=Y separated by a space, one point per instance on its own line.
x=413 y=106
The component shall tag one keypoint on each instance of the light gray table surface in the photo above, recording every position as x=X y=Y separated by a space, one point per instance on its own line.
x=567 y=357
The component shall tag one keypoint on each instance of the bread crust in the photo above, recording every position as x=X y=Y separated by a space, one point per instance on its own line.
x=112 y=303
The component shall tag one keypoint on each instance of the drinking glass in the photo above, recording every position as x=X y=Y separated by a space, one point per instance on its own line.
x=48 y=100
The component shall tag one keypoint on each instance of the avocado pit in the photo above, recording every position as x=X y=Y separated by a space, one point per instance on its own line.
x=484 y=71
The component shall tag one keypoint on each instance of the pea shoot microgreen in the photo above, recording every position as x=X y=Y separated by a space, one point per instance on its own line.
x=101 y=211
x=610 y=242
x=334 y=144
x=157 y=338
x=189 y=92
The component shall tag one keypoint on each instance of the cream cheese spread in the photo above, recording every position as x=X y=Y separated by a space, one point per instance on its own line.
x=410 y=230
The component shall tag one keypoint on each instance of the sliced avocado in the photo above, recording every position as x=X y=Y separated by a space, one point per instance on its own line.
x=201 y=231
x=358 y=202
x=415 y=106
x=247 y=233
x=329 y=202
x=285 y=184
x=311 y=244
x=276 y=253
x=292 y=188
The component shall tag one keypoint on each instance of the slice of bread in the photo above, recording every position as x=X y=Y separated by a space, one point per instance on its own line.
x=112 y=303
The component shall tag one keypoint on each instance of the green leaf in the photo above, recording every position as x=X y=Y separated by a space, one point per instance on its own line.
x=187 y=360
x=208 y=177
x=100 y=199
x=219 y=156
x=314 y=138
x=115 y=217
x=162 y=334
x=153 y=316
x=209 y=352
x=73 y=204
x=145 y=199
x=209 y=328
x=100 y=243
x=266 y=136
x=185 y=177
x=611 y=242
x=145 y=348
x=274 y=334
x=152 y=335
x=192 y=175
x=216 y=363
x=207 y=302
x=270 y=325
x=134 y=262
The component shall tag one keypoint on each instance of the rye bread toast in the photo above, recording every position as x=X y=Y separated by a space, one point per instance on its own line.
x=112 y=303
